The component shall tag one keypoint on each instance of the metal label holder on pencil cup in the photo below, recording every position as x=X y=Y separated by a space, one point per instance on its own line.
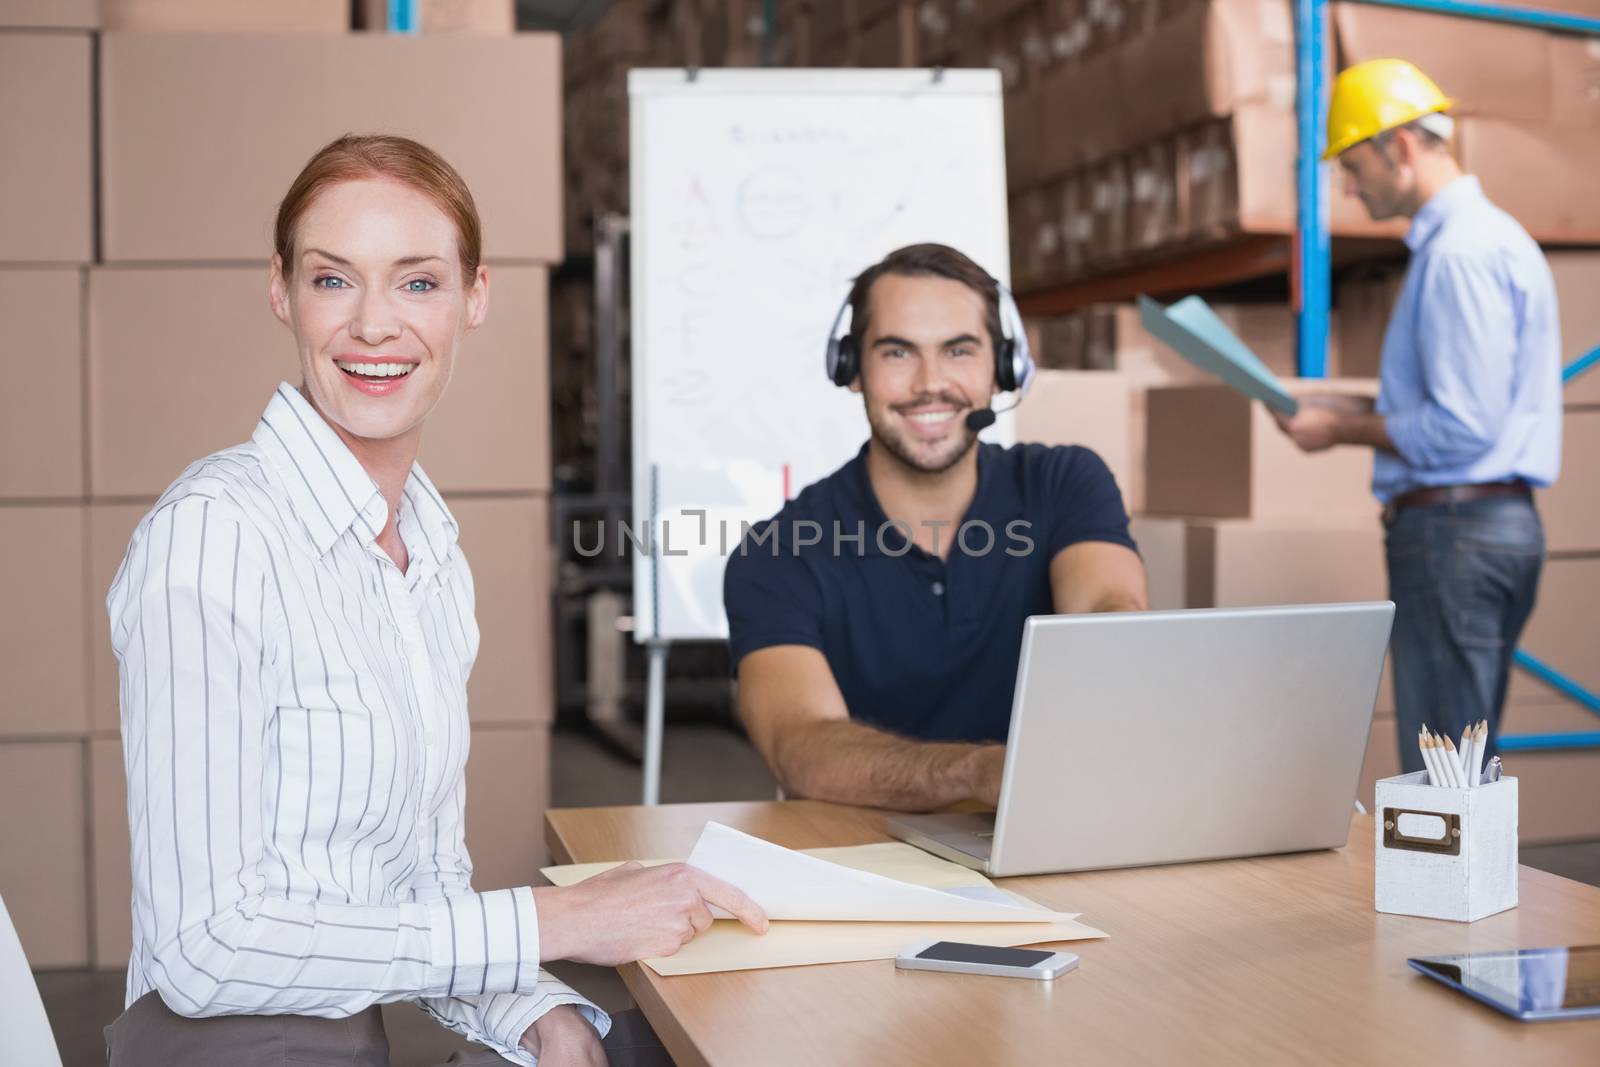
x=1445 y=853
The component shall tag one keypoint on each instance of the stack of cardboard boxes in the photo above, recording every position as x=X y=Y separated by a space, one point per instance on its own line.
x=135 y=329
x=637 y=33
x=1136 y=130
x=1177 y=131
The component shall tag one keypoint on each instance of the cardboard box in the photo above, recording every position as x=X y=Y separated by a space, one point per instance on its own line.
x=150 y=416
x=110 y=854
x=1076 y=224
x=1099 y=410
x=1561 y=630
x=1022 y=121
x=624 y=32
x=1074 y=133
x=1542 y=176
x=446 y=16
x=1244 y=563
x=1575 y=81
x=792 y=43
x=1205 y=62
x=1163 y=547
x=1560 y=790
x=1365 y=299
x=1571 y=508
x=1154 y=217
x=226 y=16
x=1070 y=30
x=889 y=41
x=46 y=184
x=50 y=14
x=491 y=430
x=941 y=27
x=1488 y=68
x=508 y=544
x=1035 y=241
x=508 y=791
x=152 y=408
x=998 y=10
x=1212 y=452
x=1233 y=563
x=1577 y=277
x=1109 y=194
x=830 y=22
x=44 y=879
x=1059 y=342
x=42 y=638
x=173 y=106
x=41 y=413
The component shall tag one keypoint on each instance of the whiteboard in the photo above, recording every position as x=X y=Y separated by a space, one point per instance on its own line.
x=757 y=195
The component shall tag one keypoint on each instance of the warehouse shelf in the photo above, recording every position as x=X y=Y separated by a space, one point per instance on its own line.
x=1245 y=258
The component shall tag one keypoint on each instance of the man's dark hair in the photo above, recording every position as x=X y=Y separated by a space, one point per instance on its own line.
x=927 y=261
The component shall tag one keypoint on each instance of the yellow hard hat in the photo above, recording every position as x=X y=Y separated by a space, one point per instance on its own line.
x=1378 y=95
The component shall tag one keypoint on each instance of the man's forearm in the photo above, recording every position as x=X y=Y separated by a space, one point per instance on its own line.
x=1364 y=429
x=852 y=763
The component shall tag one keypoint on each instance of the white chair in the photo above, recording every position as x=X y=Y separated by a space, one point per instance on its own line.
x=25 y=1036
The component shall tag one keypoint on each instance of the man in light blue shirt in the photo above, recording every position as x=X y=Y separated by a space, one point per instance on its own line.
x=1468 y=416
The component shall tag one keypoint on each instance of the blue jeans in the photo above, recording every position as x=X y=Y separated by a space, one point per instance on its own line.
x=1463 y=579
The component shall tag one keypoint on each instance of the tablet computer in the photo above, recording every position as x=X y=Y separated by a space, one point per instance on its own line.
x=1528 y=983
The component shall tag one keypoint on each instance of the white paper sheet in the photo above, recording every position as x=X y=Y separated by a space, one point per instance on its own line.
x=792 y=885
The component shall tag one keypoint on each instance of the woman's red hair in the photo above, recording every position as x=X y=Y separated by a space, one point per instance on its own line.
x=359 y=156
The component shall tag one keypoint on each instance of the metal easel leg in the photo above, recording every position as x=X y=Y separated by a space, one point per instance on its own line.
x=655 y=712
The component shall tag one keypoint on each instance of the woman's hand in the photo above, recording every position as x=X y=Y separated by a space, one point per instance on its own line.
x=632 y=913
x=562 y=1037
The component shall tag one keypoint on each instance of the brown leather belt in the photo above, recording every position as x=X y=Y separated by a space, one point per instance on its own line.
x=1454 y=494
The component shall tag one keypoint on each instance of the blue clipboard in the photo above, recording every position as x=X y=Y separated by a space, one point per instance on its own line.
x=1195 y=333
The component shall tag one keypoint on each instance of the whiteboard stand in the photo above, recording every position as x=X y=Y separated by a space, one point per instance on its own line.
x=655 y=714
x=655 y=701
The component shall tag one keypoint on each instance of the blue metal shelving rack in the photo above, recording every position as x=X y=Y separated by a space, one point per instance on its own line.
x=1312 y=257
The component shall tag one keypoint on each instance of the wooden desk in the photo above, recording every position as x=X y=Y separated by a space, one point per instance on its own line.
x=1273 y=960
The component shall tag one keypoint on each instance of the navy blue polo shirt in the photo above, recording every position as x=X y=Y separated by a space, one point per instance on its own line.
x=921 y=646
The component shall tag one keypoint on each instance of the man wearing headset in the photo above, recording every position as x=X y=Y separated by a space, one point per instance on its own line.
x=875 y=622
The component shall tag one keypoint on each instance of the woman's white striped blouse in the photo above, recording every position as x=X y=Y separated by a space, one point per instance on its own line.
x=294 y=723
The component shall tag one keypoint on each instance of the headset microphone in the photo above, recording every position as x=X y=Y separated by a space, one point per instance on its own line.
x=983 y=418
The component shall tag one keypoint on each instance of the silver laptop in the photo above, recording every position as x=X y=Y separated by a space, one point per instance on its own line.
x=1165 y=737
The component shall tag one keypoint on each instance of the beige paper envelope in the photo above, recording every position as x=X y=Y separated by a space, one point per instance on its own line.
x=729 y=946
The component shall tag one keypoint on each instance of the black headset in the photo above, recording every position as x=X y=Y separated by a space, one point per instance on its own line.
x=1013 y=360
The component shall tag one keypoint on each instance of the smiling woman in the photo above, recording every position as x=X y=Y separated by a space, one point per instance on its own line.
x=377 y=272
x=294 y=627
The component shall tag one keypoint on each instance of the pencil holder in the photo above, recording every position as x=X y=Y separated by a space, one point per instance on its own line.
x=1445 y=853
